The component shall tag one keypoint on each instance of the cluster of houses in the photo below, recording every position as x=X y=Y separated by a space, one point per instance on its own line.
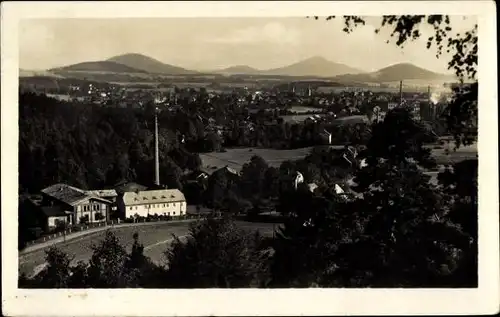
x=65 y=205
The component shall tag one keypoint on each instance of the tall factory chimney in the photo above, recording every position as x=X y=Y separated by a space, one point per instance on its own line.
x=429 y=100
x=400 y=93
x=157 y=156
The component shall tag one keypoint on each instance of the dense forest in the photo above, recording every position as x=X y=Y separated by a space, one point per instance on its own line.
x=90 y=146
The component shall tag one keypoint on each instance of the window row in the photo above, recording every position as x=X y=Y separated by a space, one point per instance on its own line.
x=153 y=206
x=92 y=207
x=96 y=217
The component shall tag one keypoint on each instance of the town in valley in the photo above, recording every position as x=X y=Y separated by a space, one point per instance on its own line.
x=308 y=173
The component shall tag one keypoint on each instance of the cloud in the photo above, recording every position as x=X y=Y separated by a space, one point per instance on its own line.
x=273 y=32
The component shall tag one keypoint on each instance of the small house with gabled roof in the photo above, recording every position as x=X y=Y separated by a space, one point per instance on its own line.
x=78 y=205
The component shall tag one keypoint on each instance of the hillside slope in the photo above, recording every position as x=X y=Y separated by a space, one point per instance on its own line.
x=314 y=66
x=99 y=66
x=238 y=70
x=148 y=64
x=396 y=72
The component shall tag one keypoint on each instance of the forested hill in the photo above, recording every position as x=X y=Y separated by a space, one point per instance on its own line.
x=91 y=146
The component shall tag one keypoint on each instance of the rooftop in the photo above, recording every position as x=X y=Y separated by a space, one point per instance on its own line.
x=102 y=192
x=153 y=197
x=68 y=194
x=65 y=193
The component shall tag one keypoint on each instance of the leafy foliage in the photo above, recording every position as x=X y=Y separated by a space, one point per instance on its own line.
x=464 y=60
x=216 y=254
x=109 y=267
x=399 y=233
x=459 y=184
x=57 y=272
x=92 y=146
x=461 y=114
x=107 y=264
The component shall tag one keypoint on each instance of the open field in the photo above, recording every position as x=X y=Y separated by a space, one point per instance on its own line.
x=235 y=158
x=463 y=153
x=300 y=109
x=155 y=238
x=295 y=118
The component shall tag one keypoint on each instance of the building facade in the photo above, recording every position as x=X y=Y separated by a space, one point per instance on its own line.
x=167 y=202
x=78 y=205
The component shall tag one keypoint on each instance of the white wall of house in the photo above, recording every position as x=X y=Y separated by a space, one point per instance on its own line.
x=169 y=209
x=90 y=208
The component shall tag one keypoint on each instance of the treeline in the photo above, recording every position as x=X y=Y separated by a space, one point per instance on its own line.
x=94 y=147
x=90 y=146
x=285 y=135
x=400 y=230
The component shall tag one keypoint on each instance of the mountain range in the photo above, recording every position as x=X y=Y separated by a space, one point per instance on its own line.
x=396 y=72
x=149 y=65
x=314 y=66
x=311 y=67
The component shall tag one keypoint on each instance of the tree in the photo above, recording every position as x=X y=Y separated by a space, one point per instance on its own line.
x=215 y=254
x=79 y=276
x=398 y=140
x=459 y=183
x=107 y=265
x=403 y=215
x=57 y=271
x=463 y=48
x=305 y=246
x=140 y=267
x=253 y=176
x=219 y=187
x=396 y=234
x=71 y=142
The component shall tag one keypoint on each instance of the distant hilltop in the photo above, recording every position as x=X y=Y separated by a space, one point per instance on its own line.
x=238 y=70
x=99 y=66
x=149 y=65
x=396 y=72
x=315 y=67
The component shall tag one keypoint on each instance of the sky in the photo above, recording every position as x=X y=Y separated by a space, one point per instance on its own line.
x=216 y=43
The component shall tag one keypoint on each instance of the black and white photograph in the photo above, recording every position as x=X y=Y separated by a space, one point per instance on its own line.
x=165 y=147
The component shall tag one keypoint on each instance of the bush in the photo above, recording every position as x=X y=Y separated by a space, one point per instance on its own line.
x=217 y=254
x=99 y=216
x=60 y=225
x=84 y=219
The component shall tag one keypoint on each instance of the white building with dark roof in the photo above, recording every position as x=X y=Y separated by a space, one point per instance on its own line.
x=168 y=202
x=79 y=205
